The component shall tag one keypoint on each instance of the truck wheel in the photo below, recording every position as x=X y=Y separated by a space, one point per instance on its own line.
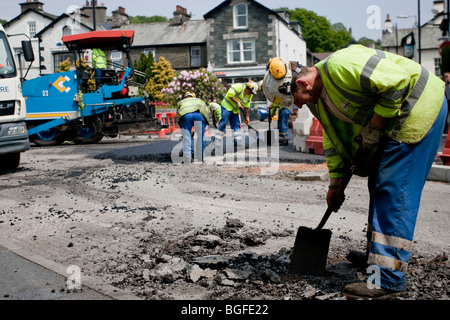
x=52 y=137
x=10 y=161
x=90 y=133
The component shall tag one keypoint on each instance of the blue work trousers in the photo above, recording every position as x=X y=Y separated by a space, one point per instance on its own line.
x=395 y=193
x=235 y=124
x=186 y=123
x=283 y=124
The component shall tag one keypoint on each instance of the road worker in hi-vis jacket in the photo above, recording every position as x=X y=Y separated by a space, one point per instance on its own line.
x=237 y=100
x=395 y=111
x=192 y=112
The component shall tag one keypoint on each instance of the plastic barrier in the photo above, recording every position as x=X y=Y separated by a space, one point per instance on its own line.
x=170 y=120
x=314 y=143
x=445 y=156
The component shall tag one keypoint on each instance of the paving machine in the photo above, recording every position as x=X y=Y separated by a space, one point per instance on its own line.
x=71 y=106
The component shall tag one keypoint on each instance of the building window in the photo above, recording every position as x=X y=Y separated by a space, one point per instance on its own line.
x=59 y=58
x=67 y=31
x=32 y=29
x=150 y=50
x=196 y=56
x=437 y=66
x=240 y=16
x=116 y=59
x=241 y=51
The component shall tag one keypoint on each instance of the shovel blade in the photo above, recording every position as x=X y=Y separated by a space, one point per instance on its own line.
x=310 y=253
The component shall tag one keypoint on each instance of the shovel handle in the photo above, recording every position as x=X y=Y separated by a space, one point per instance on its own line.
x=324 y=219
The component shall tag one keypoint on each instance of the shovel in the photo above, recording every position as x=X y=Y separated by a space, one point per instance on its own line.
x=311 y=246
x=251 y=128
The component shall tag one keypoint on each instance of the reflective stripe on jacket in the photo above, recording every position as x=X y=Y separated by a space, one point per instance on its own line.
x=190 y=105
x=360 y=82
x=216 y=111
x=237 y=90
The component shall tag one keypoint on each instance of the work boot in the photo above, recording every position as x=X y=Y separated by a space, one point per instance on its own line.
x=283 y=143
x=360 y=290
x=358 y=259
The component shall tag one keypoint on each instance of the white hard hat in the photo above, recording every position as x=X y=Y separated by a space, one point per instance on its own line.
x=253 y=86
x=189 y=95
x=277 y=83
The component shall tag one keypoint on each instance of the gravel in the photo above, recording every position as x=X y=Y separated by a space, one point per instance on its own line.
x=160 y=231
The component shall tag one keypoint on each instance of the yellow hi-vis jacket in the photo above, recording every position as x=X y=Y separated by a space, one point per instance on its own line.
x=360 y=82
x=99 y=59
x=237 y=90
x=190 y=105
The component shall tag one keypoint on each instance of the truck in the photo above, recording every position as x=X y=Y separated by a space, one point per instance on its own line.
x=13 y=131
x=71 y=106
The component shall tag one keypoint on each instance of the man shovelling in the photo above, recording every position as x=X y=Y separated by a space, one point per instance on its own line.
x=394 y=110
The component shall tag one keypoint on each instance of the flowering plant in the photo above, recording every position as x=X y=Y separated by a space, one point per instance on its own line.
x=201 y=82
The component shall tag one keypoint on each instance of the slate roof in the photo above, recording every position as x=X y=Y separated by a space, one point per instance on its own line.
x=42 y=13
x=167 y=33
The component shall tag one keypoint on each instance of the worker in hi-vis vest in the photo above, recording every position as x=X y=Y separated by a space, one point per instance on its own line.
x=238 y=98
x=192 y=112
x=394 y=110
x=99 y=63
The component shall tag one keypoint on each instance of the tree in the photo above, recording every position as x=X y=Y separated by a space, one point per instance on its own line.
x=445 y=61
x=144 y=19
x=145 y=65
x=3 y=22
x=205 y=85
x=163 y=74
x=318 y=32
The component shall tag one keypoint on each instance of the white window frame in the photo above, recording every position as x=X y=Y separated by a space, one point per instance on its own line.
x=196 y=56
x=242 y=51
x=148 y=50
x=32 y=28
x=117 y=60
x=237 y=16
x=66 y=31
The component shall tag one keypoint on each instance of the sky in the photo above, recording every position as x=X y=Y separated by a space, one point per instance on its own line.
x=365 y=17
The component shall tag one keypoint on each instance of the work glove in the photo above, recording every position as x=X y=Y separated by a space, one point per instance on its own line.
x=369 y=137
x=335 y=196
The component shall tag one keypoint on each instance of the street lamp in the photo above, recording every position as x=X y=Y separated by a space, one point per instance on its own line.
x=419 y=51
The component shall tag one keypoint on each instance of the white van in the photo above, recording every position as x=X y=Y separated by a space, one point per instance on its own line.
x=13 y=130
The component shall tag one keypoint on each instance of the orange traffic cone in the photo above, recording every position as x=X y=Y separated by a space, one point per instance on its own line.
x=162 y=133
x=445 y=156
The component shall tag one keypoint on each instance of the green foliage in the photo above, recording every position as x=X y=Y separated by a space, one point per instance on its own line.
x=367 y=42
x=201 y=82
x=3 y=22
x=445 y=61
x=144 y=19
x=145 y=65
x=163 y=74
x=318 y=32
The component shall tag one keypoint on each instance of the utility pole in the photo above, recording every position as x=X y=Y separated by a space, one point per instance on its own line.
x=93 y=13
x=420 y=33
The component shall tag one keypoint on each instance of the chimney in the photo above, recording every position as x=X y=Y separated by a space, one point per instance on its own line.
x=100 y=12
x=180 y=15
x=438 y=5
x=119 y=18
x=32 y=4
x=388 y=24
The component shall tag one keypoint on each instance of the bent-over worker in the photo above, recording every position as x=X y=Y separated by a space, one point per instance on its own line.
x=398 y=109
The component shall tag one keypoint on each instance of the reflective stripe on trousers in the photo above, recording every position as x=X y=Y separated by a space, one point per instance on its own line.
x=394 y=202
x=235 y=124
